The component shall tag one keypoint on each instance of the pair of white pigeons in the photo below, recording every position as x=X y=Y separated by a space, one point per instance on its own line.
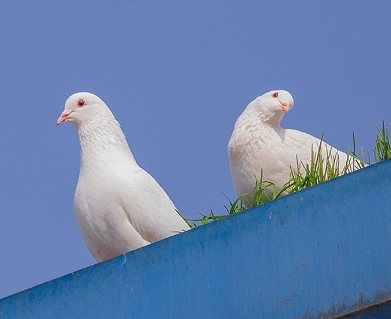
x=119 y=207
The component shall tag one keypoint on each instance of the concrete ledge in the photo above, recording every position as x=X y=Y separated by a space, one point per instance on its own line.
x=319 y=253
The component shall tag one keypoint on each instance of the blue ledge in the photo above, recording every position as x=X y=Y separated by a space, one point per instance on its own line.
x=319 y=253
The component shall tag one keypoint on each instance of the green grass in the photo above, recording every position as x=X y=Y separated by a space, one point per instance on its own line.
x=322 y=168
x=382 y=150
x=319 y=169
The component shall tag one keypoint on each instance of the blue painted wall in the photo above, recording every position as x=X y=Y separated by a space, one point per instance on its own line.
x=321 y=252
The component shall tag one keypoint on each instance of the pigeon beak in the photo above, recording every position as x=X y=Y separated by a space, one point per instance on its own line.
x=285 y=107
x=63 y=117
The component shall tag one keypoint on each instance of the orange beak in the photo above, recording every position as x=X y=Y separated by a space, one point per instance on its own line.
x=63 y=117
x=285 y=107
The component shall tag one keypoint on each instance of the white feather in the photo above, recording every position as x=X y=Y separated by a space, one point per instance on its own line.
x=259 y=144
x=118 y=206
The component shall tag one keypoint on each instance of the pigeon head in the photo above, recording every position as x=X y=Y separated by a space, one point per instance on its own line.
x=272 y=105
x=82 y=107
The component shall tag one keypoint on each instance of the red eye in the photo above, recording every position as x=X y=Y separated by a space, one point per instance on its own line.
x=81 y=103
x=275 y=94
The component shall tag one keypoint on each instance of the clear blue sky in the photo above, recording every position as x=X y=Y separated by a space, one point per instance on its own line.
x=176 y=75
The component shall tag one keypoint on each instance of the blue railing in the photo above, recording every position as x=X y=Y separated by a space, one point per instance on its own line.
x=319 y=253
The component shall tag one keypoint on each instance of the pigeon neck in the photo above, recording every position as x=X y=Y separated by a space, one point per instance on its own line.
x=102 y=141
x=252 y=127
x=267 y=117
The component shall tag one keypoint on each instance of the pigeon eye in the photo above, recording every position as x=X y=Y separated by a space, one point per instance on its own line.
x=81 y=103
x=275 y=94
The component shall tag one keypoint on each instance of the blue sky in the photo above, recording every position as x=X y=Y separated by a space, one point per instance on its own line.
x=176 y=75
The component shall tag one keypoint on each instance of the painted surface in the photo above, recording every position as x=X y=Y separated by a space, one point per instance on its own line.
x=319 y=253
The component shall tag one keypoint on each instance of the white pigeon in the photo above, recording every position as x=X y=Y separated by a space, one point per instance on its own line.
x=259 y=144
x=118 y=206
